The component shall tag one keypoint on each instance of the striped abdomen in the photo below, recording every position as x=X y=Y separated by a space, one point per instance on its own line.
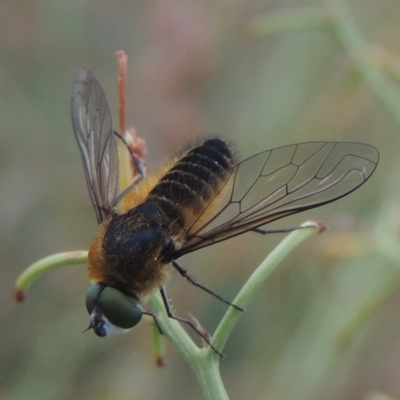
x=187 y=188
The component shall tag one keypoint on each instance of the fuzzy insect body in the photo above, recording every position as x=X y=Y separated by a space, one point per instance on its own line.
x=202 y=197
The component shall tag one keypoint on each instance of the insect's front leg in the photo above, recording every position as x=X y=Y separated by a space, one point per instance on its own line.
x=171 y=315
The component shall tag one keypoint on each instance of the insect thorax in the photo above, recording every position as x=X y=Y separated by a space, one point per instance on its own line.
x=138 y=244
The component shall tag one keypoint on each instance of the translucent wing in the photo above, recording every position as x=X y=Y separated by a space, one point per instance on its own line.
x=92 y=125
x=281 y=182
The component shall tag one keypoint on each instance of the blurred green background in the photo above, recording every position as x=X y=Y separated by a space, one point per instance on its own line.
x=326 y=325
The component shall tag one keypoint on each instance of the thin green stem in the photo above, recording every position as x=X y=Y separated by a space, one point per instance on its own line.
x=172 y=328
x=44 y=265
x=258 y=278
x=203 y=361
x=205 y=368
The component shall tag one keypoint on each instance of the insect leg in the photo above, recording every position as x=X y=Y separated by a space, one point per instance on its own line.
x=155 y=320
x=267 y=231
x=184 y=273
x=171 y=315
x=136 y=162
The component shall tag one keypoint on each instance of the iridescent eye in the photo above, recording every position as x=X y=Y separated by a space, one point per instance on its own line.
x=119 y=309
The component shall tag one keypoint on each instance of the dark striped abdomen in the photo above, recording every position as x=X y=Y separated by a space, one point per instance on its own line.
x=193 y=181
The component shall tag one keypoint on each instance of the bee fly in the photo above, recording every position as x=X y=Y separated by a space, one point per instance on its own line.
x=202 y=197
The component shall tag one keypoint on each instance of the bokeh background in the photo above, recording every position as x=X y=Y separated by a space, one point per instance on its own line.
x=326 y=325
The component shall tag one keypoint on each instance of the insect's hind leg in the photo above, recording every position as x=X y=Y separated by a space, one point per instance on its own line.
x=171 y=315
x=184 y=273
x=286 y=230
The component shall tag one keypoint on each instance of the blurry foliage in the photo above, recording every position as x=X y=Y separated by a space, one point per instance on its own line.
x=327 y=323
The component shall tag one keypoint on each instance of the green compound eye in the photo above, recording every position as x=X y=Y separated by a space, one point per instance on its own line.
x=118 y=308
x=92 y=295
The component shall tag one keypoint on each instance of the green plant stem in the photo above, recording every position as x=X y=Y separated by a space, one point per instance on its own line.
x=208 y=375
x=203 y=361
x=159 y=350
x=204 y=367
x=172 y=328
x=258 y=278
x=46 y=264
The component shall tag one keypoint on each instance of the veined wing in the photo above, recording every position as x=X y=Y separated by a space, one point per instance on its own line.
x=92 y=125
x=281 y=182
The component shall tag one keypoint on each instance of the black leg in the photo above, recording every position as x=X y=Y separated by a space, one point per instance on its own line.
x=136 y=162
x=266 y=231
x=155 y=320
x=184 y=273
x=186 y=321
